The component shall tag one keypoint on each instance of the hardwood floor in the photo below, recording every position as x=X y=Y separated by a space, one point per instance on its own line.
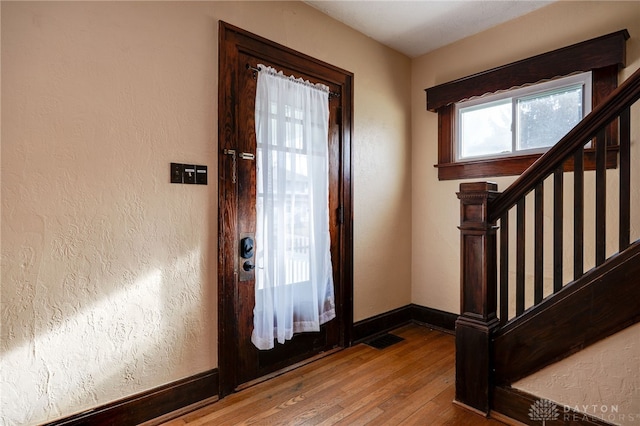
x=409 y=383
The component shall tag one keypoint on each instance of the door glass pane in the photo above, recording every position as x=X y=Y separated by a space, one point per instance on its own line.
x=290 y=195
x=485 y=129
x=545 y=118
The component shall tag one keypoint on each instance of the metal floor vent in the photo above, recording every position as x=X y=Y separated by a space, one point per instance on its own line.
x=384 y=341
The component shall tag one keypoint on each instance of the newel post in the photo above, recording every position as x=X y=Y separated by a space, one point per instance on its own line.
x=477 y=321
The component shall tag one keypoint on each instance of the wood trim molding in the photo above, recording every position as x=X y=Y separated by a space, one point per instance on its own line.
x=381 y=323
x=515 y=404
x=149 y=405
x=592 y=54
x=510 y=166
x=434 y=318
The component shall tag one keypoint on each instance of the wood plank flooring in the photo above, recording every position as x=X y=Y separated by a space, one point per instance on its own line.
x=409 y=383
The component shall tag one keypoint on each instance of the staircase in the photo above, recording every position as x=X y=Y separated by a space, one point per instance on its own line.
x=530 y=295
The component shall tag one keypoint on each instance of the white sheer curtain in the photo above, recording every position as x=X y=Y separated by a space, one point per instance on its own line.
x=294 y=281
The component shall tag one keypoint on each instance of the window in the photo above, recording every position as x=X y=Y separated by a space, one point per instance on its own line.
x=512 y=152
x=526 y=120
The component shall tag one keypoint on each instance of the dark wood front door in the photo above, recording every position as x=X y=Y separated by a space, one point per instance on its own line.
x=240 y=361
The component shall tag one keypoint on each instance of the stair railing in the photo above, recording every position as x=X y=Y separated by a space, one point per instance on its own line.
x=483 y=208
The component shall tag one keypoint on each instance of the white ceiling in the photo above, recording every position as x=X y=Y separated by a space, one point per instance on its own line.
x=420 y=26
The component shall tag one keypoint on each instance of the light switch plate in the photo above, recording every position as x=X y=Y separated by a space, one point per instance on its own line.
x=176 y=172
x=189 y=175
x=201 y=175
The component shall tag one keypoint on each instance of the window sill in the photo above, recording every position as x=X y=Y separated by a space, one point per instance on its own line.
x=512 y=166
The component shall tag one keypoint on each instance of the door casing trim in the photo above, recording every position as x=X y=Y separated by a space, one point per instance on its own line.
x=232 y=40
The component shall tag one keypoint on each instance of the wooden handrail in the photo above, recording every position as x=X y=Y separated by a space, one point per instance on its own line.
x=619 y=100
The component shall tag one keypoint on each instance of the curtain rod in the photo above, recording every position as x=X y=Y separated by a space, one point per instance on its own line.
x=256 y=69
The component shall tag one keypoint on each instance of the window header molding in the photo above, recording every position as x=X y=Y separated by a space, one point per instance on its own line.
x=599 y=52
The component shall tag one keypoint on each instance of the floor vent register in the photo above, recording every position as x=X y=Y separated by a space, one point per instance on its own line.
x=384 y=341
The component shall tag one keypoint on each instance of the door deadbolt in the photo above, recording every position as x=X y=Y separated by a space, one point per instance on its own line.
x=246 y=248
x=246 y=252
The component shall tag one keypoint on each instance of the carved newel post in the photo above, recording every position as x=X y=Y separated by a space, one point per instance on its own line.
x=478 y=321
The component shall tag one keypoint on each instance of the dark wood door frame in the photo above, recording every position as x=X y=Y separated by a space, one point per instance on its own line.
x=232 y=41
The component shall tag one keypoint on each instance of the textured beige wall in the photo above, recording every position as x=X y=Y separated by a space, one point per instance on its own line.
x=435 y=253
x=602 y=381
x=435 y=265
x=108 y=271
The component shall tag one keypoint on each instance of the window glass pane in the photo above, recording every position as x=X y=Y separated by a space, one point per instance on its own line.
x=545 y=118
x=485 y=129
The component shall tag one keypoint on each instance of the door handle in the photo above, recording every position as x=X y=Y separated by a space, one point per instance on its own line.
x=247 y=251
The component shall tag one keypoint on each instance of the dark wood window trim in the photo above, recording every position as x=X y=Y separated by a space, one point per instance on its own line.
x=603 y=56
